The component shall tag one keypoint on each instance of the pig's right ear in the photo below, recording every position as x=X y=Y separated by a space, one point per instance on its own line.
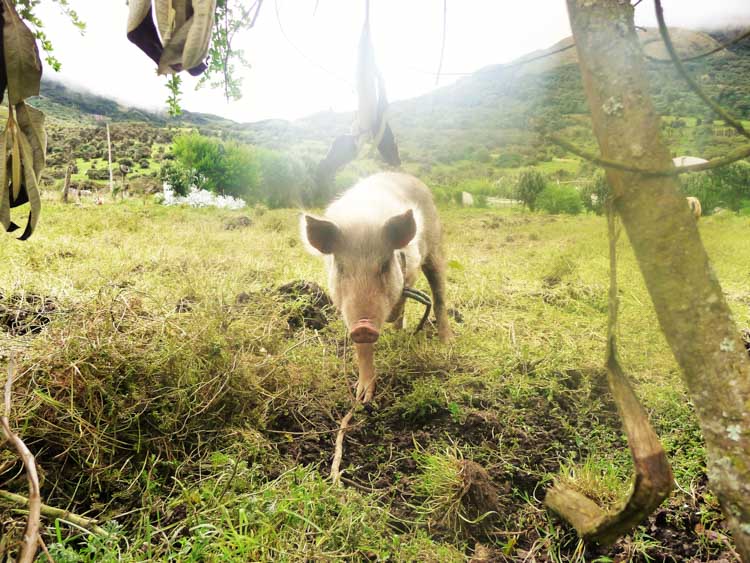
x=320 y=236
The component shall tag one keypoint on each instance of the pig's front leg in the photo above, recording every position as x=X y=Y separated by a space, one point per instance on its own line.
x=366 y=365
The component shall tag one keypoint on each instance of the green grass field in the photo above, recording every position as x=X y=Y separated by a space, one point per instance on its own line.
x=169 y=397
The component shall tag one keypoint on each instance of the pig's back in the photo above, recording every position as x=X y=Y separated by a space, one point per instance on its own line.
x=378 y=197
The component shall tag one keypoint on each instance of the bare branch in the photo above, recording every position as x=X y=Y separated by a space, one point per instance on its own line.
x=729 y=158
x=721 y=47
x=689 y=79
x=31 y=534
x=90 y=524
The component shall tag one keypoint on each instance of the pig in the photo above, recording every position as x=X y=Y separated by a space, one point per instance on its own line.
x=374 y=239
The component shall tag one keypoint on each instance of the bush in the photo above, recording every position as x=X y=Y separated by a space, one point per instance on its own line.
x=560 y=199
x=530 y=184
x=595 y=193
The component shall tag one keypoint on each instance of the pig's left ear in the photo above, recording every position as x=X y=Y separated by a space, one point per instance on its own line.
x=319 y=235
x=400 y=229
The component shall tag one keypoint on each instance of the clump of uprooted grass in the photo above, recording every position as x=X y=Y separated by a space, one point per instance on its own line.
x=120 y=389
x=457 y=495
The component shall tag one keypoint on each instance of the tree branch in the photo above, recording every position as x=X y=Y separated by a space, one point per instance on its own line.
x=721 y=47
x=689 y=79
x=31 y=534
x=729 y=158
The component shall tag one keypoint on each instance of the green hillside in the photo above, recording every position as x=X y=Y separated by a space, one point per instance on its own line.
x=481 y=127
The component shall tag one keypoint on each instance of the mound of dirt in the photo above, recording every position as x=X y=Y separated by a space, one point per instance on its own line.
x=240 y=222
x=25 y=313
x=479 y=496
x=307 y=303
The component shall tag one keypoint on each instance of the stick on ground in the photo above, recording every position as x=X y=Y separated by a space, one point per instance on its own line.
x=31 y=534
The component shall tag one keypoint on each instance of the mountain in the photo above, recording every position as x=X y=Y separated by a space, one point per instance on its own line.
x=487 y=119
x=72 y=105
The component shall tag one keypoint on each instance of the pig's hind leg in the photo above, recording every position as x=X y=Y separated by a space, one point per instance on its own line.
x=434 y=271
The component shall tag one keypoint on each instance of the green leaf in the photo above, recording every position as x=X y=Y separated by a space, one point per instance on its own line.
x=22 y=62
x=455 y=265
x=31 y=122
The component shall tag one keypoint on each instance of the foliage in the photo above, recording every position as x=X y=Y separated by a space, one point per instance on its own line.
x=595 y=192
x=531 y=183
x=26 y=9
x=173 y=101
x=231 y=18
x=558 y=199
x=179 y=178
x=726 y=187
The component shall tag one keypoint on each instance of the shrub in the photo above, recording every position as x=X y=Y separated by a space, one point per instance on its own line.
x=595 y=193
x=530 y=184
x=560 y=199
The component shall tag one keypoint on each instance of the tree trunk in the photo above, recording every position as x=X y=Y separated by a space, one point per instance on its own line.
x=66 y=184
x=687 y=297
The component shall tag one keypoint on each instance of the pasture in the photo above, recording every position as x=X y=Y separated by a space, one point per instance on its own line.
x=170 y=391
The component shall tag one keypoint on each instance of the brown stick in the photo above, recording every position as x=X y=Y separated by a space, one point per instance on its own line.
x=31 y=534
x=338 y=452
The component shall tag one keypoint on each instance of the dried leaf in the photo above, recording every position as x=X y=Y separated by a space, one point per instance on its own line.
x=22 y=63
x=171 y=58
x=16 y=163
x=199 y=35
x=137 y=13
x=31 y=122
x=142 y=31
x=4 y=188
x=31 y=185
x=171 y=15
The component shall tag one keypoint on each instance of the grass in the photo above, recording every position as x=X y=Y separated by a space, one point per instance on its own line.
x=204 y=431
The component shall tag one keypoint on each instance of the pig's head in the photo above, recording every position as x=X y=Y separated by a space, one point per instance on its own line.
x=365 y=277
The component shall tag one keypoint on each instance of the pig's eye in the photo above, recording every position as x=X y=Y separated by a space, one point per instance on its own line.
x=385 y=267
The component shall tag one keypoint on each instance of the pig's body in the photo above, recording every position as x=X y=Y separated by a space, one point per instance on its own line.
x=375 y=238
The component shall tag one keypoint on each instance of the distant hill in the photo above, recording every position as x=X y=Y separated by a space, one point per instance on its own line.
x=489 y=116
x=69 y=104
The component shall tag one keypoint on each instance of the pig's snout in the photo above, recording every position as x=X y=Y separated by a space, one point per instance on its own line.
x=364 y=332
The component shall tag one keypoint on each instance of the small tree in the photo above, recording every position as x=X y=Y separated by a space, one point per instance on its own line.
x=530 y=184
x=560 y=199
x=595 y=193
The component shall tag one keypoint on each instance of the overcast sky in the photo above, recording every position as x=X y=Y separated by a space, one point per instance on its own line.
x=303 y=52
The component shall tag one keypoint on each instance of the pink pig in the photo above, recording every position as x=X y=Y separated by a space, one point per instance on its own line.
x=374 y=239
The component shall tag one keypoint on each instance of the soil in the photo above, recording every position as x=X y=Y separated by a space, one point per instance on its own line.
x=308 y=305
x=378 y=458
x=25 y=313
x=241 y=222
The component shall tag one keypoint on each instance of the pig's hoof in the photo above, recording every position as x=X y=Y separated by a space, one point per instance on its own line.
x=365 y=392
x=445 y=336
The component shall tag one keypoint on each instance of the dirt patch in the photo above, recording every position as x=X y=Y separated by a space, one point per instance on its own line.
x=25 y=313
x=307 y=304
x=241 y=222
x=479 y=495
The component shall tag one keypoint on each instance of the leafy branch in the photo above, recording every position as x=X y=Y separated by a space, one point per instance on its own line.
x=221 y=71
